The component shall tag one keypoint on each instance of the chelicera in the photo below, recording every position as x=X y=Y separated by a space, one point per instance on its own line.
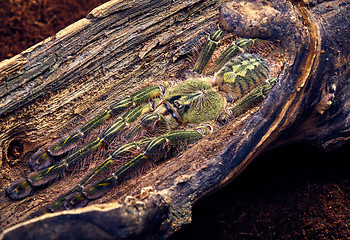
x=156 y=122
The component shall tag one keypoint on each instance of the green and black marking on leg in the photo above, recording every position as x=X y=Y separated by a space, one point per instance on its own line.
x=236 y=48
x=19 y=189
x=207 y=50
x=72 y=199
x=152 y=124
x=249 y=101
x=45 y=176
x=158 y=148
x=43 y=158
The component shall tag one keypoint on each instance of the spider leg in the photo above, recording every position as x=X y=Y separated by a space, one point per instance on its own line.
x=23 y=187
x=169 y=144
x=252 y=99
x=208 y=50
x=43 y=158
x=72 y=199
x=149 y=125
x=233 y=50
x=124 y=121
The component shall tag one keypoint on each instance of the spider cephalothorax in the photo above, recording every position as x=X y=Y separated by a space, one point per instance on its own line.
x=157 y=122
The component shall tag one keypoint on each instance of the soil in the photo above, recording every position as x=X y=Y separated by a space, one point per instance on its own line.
x=25 y=23
x=293 y=192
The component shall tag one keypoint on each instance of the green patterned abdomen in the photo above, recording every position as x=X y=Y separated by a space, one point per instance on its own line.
x=241 y=75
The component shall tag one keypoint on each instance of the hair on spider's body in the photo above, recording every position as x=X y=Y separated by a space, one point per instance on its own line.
x=155 y=123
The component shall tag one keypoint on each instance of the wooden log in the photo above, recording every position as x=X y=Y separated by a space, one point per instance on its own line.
x=123 y=46
x=118 y=48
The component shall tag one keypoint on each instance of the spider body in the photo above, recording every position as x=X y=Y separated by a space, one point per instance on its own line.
x=158 y=122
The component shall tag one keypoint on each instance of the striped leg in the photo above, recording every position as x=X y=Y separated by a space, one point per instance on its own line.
x=73 y=198
x=208 y=50
x=252 y=99
x=158 y=148
x=43 y=158
x=236 y=48
x=23 y=187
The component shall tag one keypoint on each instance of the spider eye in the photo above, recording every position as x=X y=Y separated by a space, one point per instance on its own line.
x=177 y=104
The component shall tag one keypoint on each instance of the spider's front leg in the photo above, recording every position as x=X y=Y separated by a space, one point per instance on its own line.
x=43 y=158
x=23 y=187
x=153 y=123
x=150 y=149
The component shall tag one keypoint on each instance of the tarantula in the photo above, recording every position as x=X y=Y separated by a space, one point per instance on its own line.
x=157 y=122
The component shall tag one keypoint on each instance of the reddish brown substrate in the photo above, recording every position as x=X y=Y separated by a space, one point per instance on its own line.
x=25 y=23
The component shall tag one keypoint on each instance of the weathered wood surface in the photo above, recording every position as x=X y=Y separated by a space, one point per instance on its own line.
x=122 y=46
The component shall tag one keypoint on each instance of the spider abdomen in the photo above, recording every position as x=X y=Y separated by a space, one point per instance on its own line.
x=241 y=75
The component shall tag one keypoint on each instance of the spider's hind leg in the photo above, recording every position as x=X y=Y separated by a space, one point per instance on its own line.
x=207 y=50
x=249 y=101
x=233 y=50
x=237 y=47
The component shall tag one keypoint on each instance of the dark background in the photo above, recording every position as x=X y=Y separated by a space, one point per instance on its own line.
x=293 y=192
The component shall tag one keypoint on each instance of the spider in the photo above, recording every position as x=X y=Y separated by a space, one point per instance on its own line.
x=156 y=122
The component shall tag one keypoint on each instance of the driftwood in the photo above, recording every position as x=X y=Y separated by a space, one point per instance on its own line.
x=124 y=45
